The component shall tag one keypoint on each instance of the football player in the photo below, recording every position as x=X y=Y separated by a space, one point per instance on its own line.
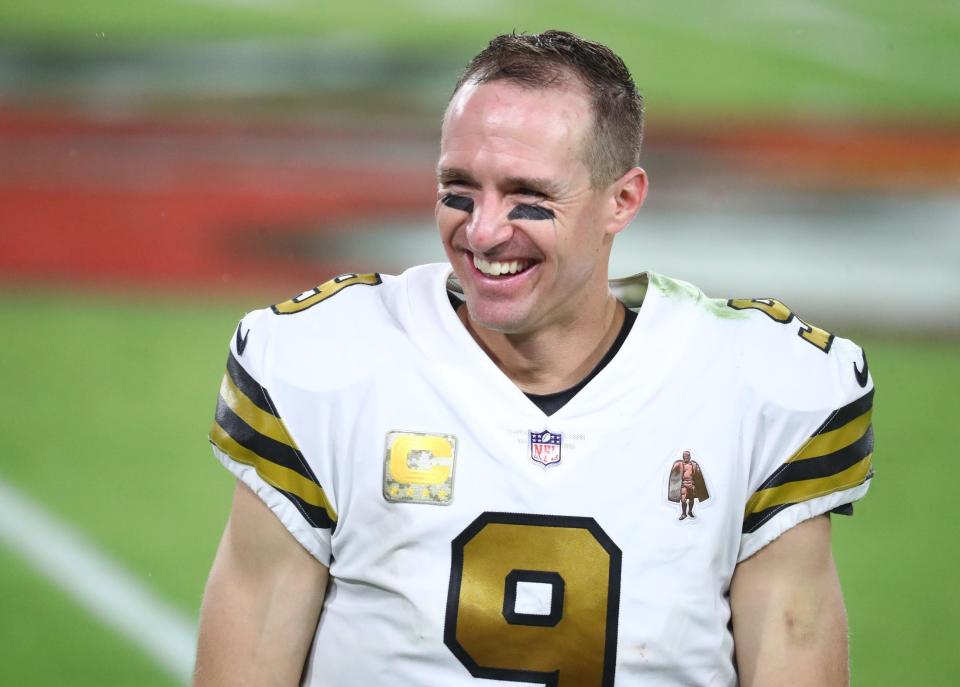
x=462 y=475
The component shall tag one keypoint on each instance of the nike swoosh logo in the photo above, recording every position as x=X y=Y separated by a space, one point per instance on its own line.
x=861 y=375
x=242 y=341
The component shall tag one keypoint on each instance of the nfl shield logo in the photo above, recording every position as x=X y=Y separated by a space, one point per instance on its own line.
x=545 y=447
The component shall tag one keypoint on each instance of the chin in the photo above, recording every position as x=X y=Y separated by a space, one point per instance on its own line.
x=498 y=318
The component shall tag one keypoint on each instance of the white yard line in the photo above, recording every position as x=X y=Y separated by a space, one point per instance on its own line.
x=99 y=584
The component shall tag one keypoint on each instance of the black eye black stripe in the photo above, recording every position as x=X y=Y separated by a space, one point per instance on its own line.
x=457 y=202
x=522 y=211
x=531 y=212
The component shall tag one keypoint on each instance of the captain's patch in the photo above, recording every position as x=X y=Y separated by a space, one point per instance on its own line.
x=418 y=467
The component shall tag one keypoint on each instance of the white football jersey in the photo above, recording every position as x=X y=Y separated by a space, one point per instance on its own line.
x=473 y=540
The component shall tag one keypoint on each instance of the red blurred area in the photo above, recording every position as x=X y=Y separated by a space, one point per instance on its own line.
x=831 y=157
x=198 y=204
x=185 y=205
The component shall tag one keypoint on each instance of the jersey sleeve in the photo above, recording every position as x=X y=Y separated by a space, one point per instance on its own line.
x=814 y=452
x=250 y=439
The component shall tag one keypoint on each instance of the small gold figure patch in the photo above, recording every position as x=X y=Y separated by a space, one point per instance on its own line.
x=418 y=467
x=686 y=485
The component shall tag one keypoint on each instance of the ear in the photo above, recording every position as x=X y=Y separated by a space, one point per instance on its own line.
x=627 y=196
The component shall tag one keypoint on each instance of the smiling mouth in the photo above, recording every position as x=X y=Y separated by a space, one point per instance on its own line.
x=492 y=268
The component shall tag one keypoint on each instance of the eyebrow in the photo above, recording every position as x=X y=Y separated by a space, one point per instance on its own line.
x=542 y=186
x=451 y=174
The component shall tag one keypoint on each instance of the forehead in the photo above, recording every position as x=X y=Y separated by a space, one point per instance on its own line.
x=499 y=125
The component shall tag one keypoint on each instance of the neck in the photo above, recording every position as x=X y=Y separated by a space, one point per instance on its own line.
x=555 y=357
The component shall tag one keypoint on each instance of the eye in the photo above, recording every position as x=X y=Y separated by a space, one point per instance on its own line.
x=457 y=202
x=534 y=212
x=533 y=193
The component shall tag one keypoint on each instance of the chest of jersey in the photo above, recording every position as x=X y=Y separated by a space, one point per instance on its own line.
x=482 y=539
x=472 y=539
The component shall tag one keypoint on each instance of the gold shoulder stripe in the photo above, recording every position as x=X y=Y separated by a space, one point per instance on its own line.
x=838 y=456
x=804 y=490
x=259 y=419
x=830 y=442
x=277 y=476
x=250 y=387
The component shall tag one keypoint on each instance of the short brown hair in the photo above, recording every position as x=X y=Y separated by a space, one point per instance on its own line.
x=544 y=60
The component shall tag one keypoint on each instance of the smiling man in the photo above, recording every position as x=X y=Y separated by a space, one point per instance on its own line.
x=527 y=219
x=463 y=475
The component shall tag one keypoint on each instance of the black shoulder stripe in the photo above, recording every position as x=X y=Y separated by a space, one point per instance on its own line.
x=849 y=412
x=315 y=515
x=752 y=522
x=263 y=446
x=250 y=387
x=823 y=466
x=755 y=521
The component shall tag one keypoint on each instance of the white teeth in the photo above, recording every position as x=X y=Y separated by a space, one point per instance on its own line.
x=495 y=269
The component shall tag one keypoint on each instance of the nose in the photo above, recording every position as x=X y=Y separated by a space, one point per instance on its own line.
x=488 y=226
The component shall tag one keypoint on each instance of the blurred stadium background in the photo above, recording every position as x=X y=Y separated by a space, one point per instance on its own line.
x=167 y=166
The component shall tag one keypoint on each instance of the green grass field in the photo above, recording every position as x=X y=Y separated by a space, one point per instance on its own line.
x=103 y=418
x=857 y=58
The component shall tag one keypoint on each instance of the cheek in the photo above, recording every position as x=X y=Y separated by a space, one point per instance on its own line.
x=447 y=222
x=578 y=249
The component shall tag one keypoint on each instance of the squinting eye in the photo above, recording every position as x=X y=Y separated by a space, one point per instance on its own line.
x=451 y=200
x=524 y=211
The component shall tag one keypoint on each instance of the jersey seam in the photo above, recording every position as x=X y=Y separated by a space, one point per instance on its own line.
x=295 y=455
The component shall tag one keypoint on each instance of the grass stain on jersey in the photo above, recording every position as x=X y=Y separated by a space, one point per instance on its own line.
x=675 y=288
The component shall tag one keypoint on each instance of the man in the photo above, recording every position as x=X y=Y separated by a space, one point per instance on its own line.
x=455 y=475
x=687 y=485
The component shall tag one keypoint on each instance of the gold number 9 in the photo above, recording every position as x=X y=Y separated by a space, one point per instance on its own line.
x=326 y=290
x=575 y=644
x=778 y=312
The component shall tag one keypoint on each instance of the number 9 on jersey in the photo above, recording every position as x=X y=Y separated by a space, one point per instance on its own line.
x=570 y=640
